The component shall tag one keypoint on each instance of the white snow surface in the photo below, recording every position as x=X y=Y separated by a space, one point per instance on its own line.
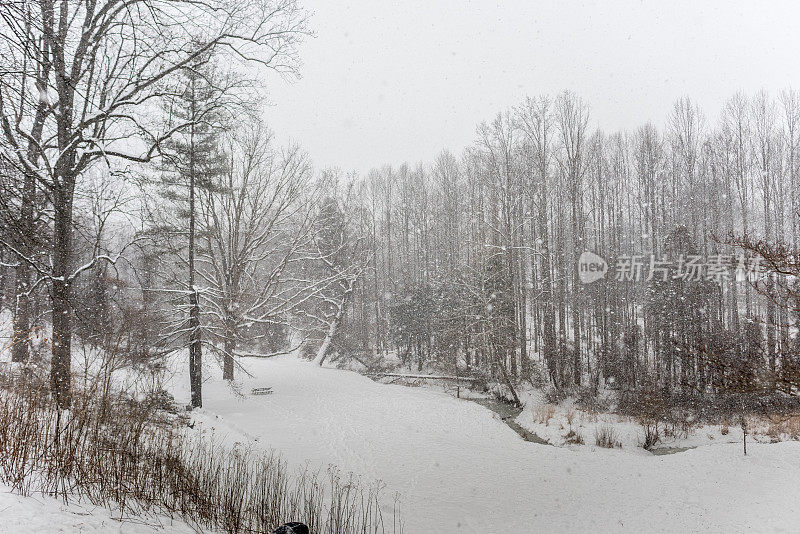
x=41 y=514
x=459 y=468
x=553 y=423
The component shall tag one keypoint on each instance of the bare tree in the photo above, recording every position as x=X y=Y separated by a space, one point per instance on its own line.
x=255 y=227
x=535 y=120
x=572 y=118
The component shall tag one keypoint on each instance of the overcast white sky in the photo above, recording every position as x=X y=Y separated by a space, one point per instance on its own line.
x=391 y=81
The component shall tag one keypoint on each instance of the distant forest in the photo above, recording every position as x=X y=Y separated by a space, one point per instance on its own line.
x=474 y=259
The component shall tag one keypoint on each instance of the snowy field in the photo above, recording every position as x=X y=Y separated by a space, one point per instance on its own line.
x=42 y=514
x=459 y=468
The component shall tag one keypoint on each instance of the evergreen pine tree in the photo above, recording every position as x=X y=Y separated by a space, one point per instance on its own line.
x=192 y=161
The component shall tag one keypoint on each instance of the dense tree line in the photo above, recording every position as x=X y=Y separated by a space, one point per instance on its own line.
x=476 y=258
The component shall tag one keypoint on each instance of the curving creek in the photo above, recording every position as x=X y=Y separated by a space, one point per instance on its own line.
x=508 y=414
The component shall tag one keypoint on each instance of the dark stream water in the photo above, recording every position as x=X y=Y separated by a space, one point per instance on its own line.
x=508 y=412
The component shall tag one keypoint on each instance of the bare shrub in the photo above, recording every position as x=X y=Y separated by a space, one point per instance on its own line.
x=680 y=422
x=648 y=407
x=573 y=438
x=605 y=436
x=651 y=436
x=570 y=415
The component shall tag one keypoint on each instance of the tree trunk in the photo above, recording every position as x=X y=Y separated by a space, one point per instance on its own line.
x=22 y=313
x=230 y=346
x=576 y=293
x=60 y=371
x=195 y=352
x=743 y=421
x=322 y=353
x=19 y=350
x=195 y=348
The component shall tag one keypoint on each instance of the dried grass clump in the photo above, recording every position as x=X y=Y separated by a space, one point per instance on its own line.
x=573 y=438
x=605 y=436
x=543 y=414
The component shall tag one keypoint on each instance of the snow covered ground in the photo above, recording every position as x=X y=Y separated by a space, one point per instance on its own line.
x=556 y=423
x=41 y=514
x=459 y=468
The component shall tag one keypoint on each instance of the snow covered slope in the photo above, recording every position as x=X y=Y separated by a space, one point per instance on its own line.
x=46 y=515
x=460 y=469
